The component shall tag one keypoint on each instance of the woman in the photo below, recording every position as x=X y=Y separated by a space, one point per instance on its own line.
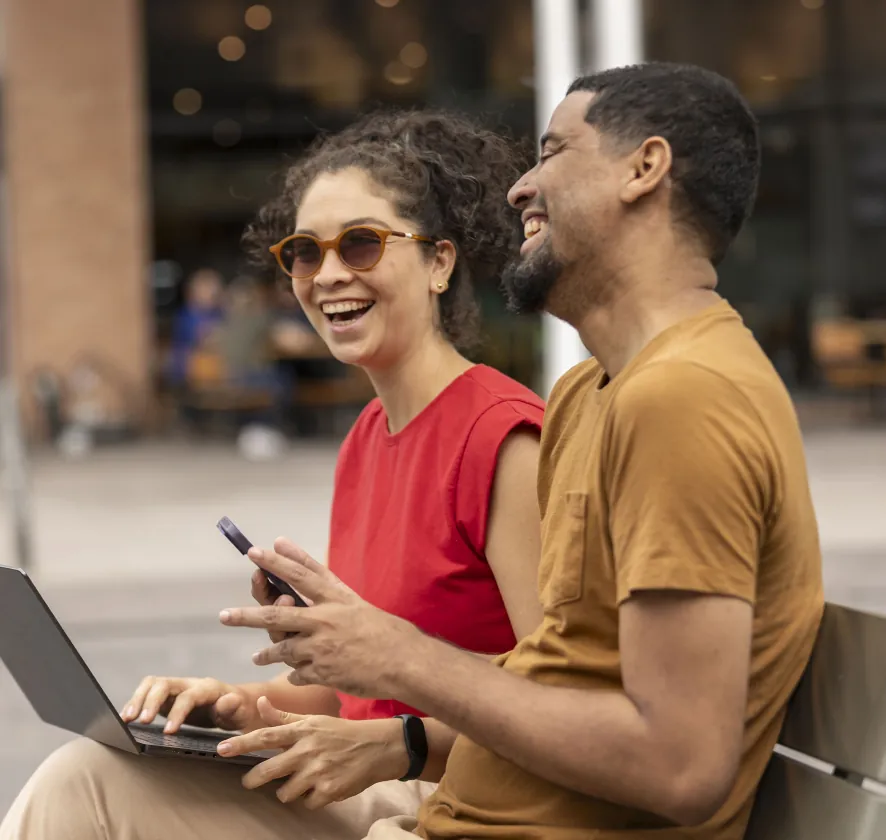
x=382 y=230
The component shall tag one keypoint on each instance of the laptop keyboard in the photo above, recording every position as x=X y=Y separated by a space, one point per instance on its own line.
x=158 y=738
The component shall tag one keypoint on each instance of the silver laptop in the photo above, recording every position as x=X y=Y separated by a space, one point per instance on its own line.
x=63 y=691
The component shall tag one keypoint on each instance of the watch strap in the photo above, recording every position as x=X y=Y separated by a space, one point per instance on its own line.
x=416 y=746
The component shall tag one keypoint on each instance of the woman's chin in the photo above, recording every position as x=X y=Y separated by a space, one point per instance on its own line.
x=350 y=353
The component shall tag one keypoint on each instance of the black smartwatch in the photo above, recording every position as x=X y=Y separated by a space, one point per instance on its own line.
x=416 y=745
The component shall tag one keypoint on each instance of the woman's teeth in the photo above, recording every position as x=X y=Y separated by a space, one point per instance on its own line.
x=346 y=311
x=533 y=226
x=345 y=306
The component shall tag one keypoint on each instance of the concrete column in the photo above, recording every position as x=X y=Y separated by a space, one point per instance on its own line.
x=556 y=65
x=76 y=158
x=616 y=36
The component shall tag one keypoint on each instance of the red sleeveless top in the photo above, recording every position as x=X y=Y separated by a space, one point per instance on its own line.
x=409 y=515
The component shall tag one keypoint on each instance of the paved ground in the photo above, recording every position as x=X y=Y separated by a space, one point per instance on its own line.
x=128 y=556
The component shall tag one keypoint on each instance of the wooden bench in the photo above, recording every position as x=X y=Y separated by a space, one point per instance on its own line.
x=333 y=404
x=827 y=778
x=852 y=356
x=209 y=395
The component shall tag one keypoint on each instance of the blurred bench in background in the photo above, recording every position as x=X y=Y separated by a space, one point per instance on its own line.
x=851 y=355
x=323 y=396
x=209 y=387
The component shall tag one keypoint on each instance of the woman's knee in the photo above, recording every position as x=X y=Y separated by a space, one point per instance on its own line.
x=56 y=801
x=77 y=761
x=76 y=772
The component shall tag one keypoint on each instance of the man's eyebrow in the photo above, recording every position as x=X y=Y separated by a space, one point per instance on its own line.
x=549 y=137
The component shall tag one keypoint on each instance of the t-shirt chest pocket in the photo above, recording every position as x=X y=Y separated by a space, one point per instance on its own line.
x=561 y=572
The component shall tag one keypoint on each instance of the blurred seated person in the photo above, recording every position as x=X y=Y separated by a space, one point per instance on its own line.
x=301 y=356
x=246 y=361
x=243 y=338
x=292 y=336
x=194 y=323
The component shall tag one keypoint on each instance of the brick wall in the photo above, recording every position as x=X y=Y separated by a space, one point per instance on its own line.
x=77 y=171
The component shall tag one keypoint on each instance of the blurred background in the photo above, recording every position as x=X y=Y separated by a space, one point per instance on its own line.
x=143 y=136
x=140 y=137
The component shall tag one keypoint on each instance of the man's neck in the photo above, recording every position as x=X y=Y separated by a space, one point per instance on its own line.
x=643 y=306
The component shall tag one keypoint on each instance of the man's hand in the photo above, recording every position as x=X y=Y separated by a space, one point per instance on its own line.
x=262 y=592
x=341 y=641
x=325 y=759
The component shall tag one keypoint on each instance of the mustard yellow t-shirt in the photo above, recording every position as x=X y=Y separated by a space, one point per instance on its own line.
x=686 y=472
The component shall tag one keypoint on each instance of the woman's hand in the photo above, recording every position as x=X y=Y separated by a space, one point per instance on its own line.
x=326 y=759
x=204 y=702
x=198 y=702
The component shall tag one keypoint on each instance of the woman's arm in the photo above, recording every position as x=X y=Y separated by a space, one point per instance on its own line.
x=298 y=699
x=513 y=548
x=440 y=740
x=513 y=543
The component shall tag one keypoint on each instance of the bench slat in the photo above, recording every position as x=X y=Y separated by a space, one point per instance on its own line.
x=838 y=713
x=796 y=802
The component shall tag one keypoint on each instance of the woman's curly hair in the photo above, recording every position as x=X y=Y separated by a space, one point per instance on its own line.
x=448 y=175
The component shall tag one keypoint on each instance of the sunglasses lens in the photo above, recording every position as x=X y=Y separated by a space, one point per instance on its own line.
x=360 y=248
x=301 y=256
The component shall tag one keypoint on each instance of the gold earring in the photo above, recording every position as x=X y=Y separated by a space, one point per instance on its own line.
x=441 y=287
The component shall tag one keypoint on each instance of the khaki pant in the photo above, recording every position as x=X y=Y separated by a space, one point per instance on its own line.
x=85 y=791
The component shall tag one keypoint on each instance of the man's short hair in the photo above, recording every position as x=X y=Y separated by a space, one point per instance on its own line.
x=712 y=132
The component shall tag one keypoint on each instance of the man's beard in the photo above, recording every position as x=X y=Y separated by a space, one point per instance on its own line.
x=528 y=281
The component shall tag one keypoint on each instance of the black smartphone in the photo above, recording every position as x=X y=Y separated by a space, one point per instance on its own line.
x=242 y=544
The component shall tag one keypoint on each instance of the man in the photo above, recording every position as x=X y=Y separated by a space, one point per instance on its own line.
x=680 y=571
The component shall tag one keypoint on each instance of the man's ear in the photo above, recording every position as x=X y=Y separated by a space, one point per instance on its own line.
x=650 y=165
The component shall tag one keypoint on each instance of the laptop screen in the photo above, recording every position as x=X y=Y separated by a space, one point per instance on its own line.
x=48 y=668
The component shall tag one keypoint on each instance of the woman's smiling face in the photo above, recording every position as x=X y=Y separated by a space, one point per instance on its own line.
x=370 y=318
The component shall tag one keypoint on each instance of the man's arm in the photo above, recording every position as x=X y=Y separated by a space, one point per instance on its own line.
x=668 y=744
x=665 y=743
x=298 y=699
